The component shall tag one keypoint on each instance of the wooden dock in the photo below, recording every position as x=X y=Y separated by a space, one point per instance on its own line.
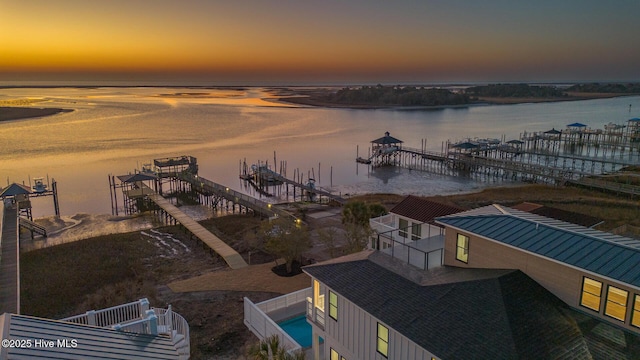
x=307 y=188
x=9 y=261
x=233 y=259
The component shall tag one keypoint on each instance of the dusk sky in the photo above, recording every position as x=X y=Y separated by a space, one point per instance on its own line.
x=319 y=42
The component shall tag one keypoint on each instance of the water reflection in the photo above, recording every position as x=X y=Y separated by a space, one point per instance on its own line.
x=114 y=130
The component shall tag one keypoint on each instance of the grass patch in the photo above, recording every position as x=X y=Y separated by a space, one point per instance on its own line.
x=56 y=281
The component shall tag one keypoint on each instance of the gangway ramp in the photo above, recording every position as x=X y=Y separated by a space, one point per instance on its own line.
x=230 y=256
x=308 y=188
x=9 y=261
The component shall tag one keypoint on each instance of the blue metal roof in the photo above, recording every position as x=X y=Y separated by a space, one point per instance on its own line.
x=583 y=250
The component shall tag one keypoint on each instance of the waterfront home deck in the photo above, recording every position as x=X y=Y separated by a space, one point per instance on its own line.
x=128 y=331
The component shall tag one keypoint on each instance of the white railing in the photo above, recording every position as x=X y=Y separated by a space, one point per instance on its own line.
x=112 y=316
x=315 y=313
x=148 y=325
x=383 y=223
x=285 y=301
x=136 y=317
x=173 y=324
x=263 y=326
x=425 y=254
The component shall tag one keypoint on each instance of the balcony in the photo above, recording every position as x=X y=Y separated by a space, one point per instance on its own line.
x=316 y=313
x=138 y=318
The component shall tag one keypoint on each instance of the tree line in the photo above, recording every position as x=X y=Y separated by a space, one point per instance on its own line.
x=617 y=88
x=380 y=95
x=515 y=90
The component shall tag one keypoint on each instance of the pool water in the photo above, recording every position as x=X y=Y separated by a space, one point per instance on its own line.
x=299 y=329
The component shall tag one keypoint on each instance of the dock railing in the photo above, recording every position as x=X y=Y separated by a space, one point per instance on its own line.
x=235 y=196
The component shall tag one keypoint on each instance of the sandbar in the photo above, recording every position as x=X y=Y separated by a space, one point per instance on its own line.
x=16 y=113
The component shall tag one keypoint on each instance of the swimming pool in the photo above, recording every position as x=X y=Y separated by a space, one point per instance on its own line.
x=299 y=329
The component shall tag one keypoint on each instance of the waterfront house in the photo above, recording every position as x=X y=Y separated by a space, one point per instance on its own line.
x=512 y=285
x=410 y=220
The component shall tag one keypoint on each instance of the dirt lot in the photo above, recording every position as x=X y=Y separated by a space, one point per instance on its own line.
x=166 y=266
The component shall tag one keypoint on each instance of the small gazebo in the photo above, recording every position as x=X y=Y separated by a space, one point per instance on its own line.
x=18 y=195
x=385 y=144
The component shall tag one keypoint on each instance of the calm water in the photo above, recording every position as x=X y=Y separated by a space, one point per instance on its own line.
x=115 y=130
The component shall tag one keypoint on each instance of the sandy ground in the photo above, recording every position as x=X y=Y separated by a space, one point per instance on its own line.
x=252 y=278
x=83 y=226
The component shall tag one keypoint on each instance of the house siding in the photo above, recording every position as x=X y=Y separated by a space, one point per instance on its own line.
x=354 y=335
x=563 y=281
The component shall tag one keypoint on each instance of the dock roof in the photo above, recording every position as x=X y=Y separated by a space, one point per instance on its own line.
x=387 y=139
x=136 y=177
x=608 y=255
x=15 y=189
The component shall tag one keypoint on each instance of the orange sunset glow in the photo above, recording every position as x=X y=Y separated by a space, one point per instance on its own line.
x=301 y=41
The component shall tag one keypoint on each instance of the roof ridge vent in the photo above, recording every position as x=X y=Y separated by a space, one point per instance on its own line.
x=501 y=209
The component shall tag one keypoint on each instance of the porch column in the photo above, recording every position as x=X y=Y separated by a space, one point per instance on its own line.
x=315 y=345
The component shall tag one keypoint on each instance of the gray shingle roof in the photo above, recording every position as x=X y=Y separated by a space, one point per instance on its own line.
x=92 y=342
x=505 y=316
x=612 y=257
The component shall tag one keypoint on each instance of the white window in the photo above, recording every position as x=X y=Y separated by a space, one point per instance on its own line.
x=462 y=248
x=591 y=293
x=403 y=227
x=416 y=231
x=616 y=303
x=382 y=345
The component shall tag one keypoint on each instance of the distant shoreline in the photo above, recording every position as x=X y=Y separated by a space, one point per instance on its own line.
x=307 y=98
x=8 y=113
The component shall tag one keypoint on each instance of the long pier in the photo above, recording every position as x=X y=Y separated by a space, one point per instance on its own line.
x=230 y=256
x=10 y=261
x=205 y=186
x=313 y=190
x=577 y=155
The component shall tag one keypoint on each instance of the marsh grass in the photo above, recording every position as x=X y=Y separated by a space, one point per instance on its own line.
x=56 y=281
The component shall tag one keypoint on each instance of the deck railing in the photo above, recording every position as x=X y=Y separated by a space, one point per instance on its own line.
x=137 y=317
x=315 y=313
x=285 y=301
x=410 y=252
x=112 y=316
x=263 y=326
x=174 y=324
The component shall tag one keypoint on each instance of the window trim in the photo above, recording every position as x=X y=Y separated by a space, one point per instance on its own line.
x=583 y=291
x=465 y=249
x=333 y=306
x=416 y=226
x=333 y=351
x=625 y=305
x=403 y=230
x=378 y=339
x=635 y=311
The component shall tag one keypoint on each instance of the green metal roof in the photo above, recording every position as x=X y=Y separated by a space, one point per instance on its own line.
x=573 y=246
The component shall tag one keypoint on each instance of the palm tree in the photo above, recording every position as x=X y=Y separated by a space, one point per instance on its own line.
x=271 y=349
